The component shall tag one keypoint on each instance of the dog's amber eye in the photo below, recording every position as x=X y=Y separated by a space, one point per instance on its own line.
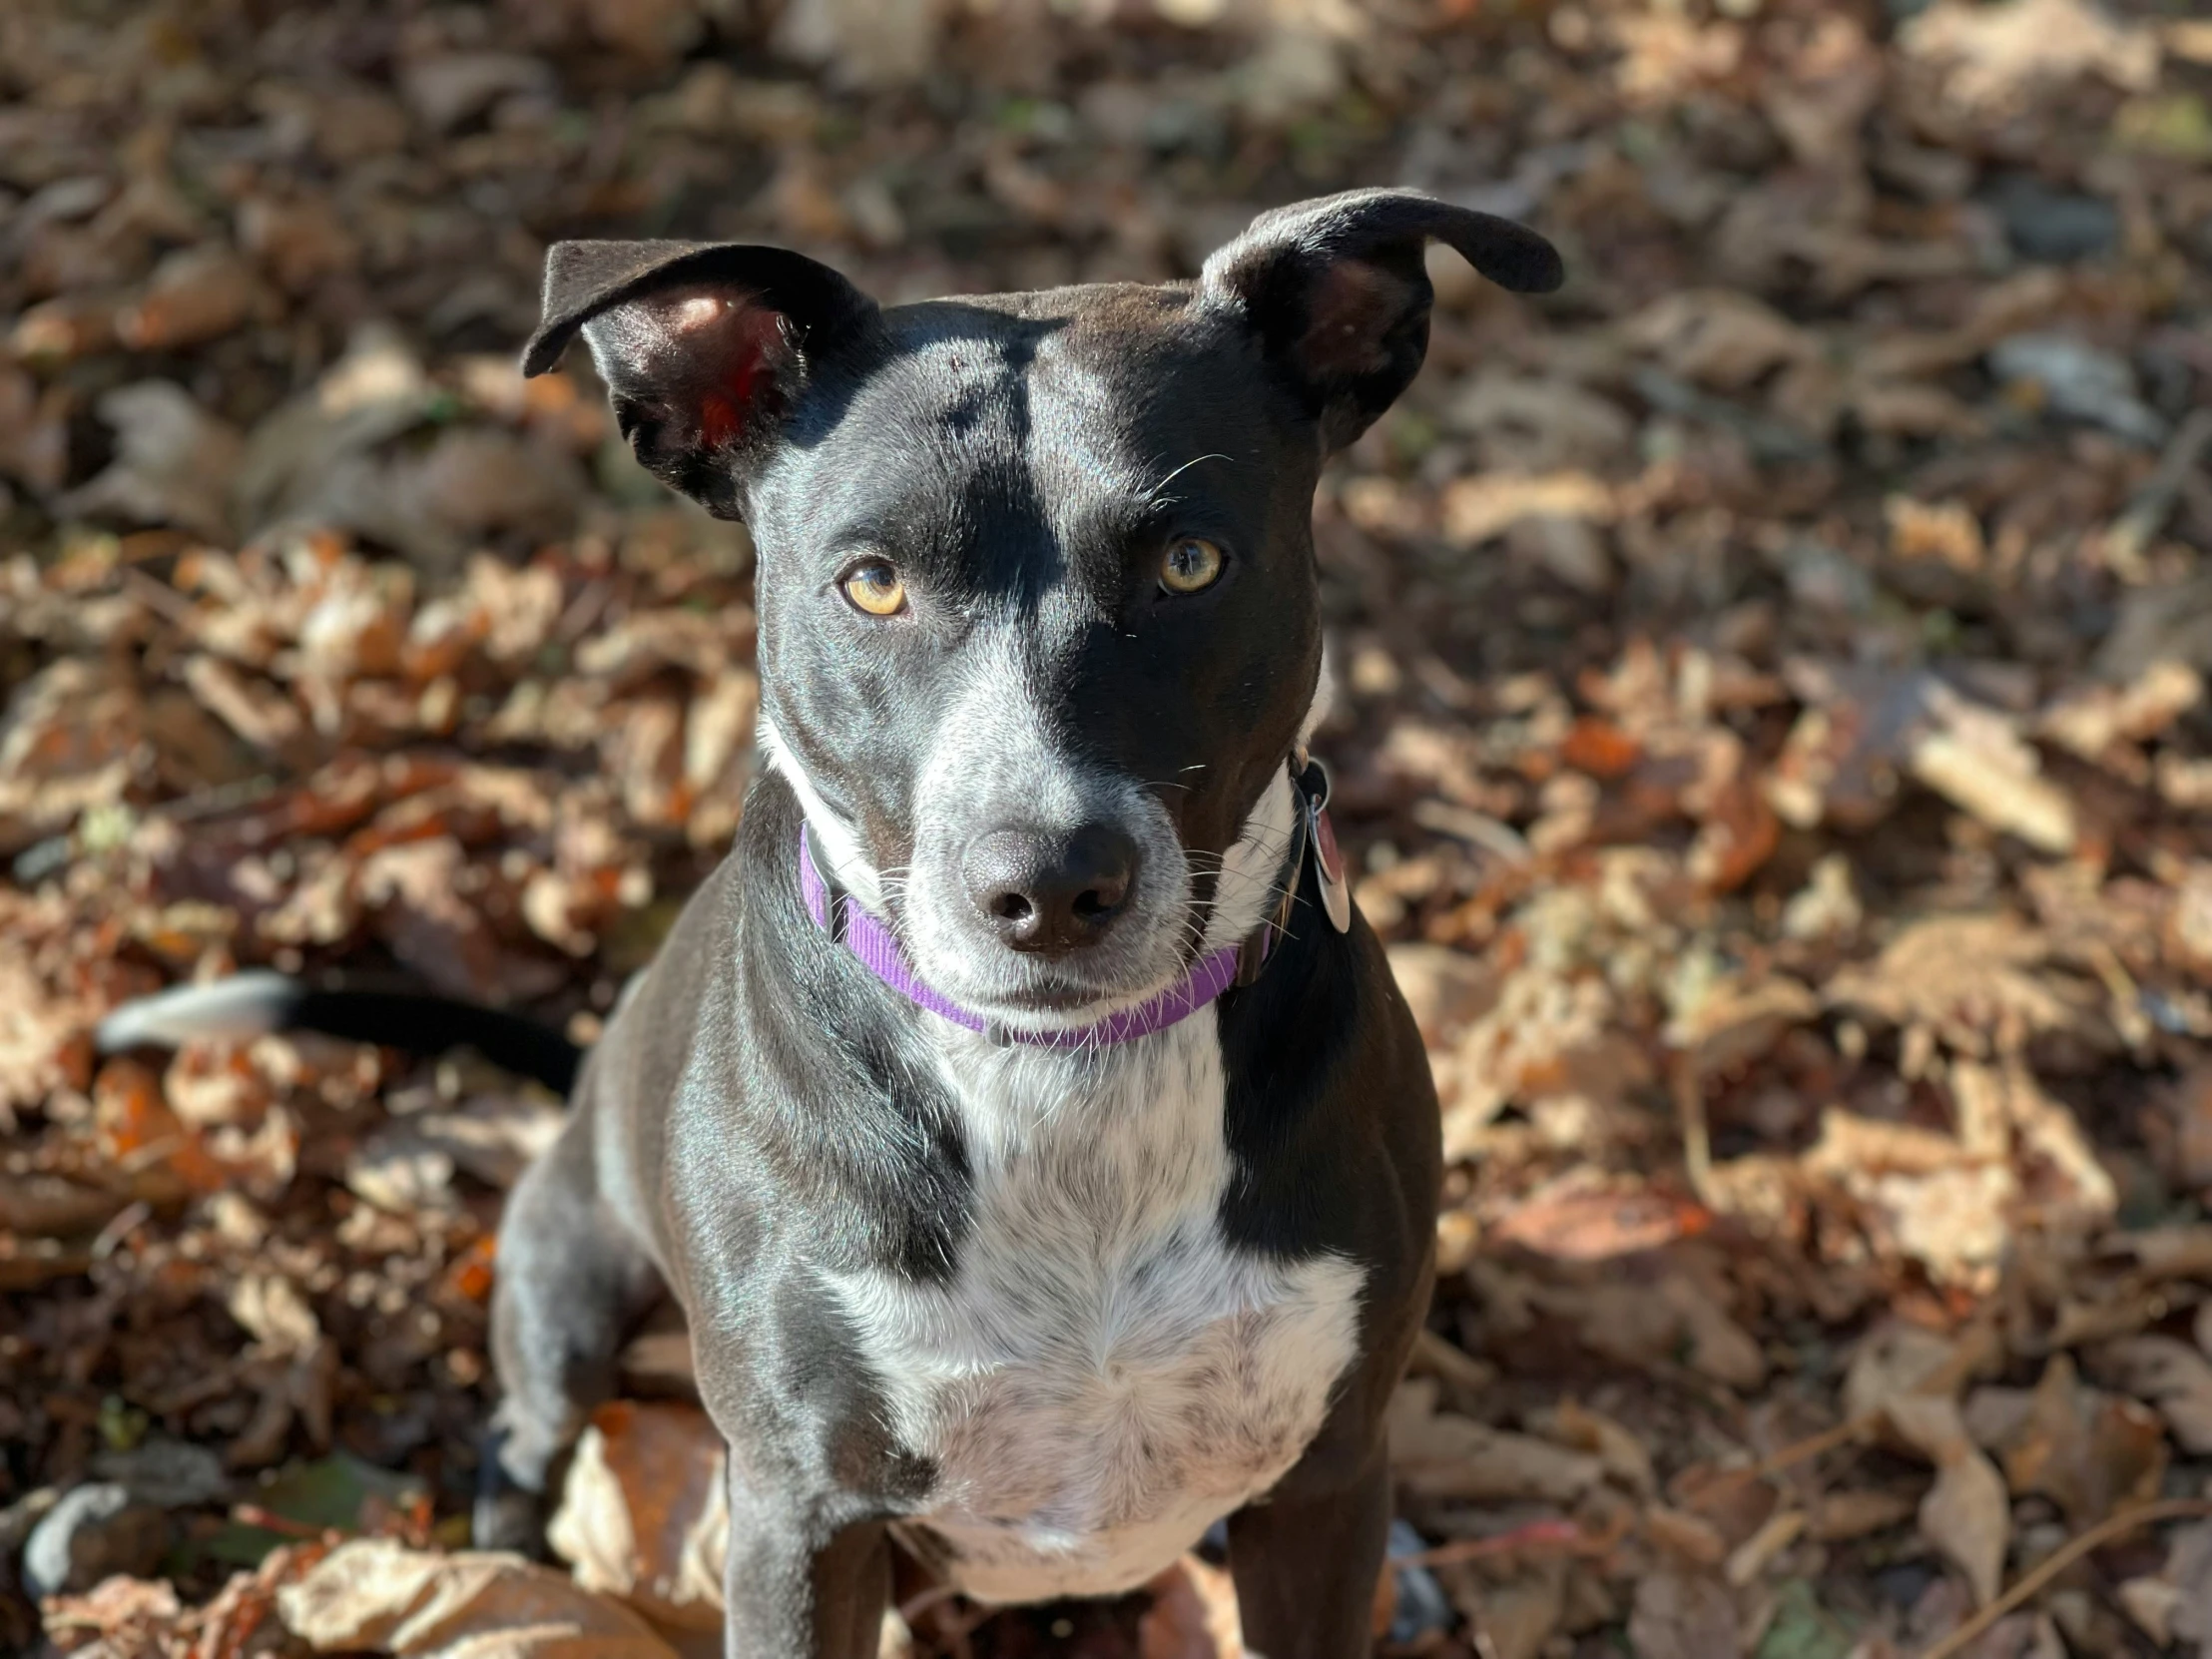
x=876 y=589
x=1191 y=564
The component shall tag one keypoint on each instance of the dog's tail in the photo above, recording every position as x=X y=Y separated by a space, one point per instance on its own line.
x=415 y=1022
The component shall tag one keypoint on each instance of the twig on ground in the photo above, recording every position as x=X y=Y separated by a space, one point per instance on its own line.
x=2112 y=1526
x=1541 y=1536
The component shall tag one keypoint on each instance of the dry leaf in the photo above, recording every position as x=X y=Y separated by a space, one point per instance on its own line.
x=1995 y=56
x=1966 y=1514
x=1967 y=979
x=2172 y=1376
x=645 y=1515
x=1517 y=1618
x=1444 y=988
x=1476 y=509
x=2087 y=1451
x=2189 y=1569
x=1193 y=1614
x=1682 y=1617
x=379 y=1596
x=1717 y=338
x=1692 y=1539
x=1580 y=1218
x=173 y=462
x=1446 y=1455
x=1840 y=1516
x=1976 y=760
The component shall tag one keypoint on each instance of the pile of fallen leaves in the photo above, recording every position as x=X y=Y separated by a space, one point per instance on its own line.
x=1773 y=735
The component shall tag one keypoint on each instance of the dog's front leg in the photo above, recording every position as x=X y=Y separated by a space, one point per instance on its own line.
x=1306 y=1561
x=789 y=1595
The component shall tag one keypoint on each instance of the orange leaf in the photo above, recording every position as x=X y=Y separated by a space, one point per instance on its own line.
x=1600 y=747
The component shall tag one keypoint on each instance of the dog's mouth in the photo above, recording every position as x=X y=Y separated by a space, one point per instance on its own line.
x=1054 y=1001
x=1062 y=992
x=1172 y=924
x=1068 y=996
x=1055 y=995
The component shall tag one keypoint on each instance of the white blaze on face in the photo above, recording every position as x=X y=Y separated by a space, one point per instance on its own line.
x=998 y=762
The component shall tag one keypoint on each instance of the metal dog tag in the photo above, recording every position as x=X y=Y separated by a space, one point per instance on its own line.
x=1329 y=861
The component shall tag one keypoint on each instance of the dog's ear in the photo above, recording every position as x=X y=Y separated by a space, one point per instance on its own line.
x=703 y=345
x=1336 y=289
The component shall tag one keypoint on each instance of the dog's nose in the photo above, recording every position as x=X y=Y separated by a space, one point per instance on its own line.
x=1051 y=893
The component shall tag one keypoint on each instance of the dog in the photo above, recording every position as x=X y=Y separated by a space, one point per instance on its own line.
x=1025 y=1121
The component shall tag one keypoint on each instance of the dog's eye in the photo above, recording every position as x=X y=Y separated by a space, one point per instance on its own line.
x=874 y=588
x=1191 y=564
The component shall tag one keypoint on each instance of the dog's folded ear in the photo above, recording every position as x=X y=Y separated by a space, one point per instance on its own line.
x=1337 y=291
x=703 y=345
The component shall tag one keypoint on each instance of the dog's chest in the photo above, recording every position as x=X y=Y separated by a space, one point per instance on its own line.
x=1105 y=1376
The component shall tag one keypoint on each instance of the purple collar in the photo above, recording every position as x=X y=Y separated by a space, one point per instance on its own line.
x=837 y=914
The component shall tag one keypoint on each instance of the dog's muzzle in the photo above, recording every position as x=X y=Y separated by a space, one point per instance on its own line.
x=1074 y=873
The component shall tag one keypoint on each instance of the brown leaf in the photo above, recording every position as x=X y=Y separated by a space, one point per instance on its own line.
x=1739 y=1022
x=1517 y=1618
x=47 y=1205
x=1446 y=1456
x=1193 y=1615
x=1965 y=1514
x=2011 y=1106
x=34 y=433
x=2089 y=1451
x=2092 y=720
x=2189 y=1569
x=1626 y=1458
x=1718 y=338
x=298 y=241
x=2172 y=1376
x=1581 y=1218
x=1474 y=509
x=645 y=1514
x=1974 y=758
x=1994 y=57
x=1840 y=1516
x=1691 y=1539
x=1892 y=1360
x=379 y=1596
x=1444 y=988
x=1682 y=1617
x=492 y=1137
x=129 y=1615
x=196 y=294
x=1735 y=1502
x=1719 y=1347
x=1966 y=978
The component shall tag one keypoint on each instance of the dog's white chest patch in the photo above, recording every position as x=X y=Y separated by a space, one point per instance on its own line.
x=1105 y=1376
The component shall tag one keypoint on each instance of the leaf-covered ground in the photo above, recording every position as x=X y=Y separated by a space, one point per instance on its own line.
x=1772 y=734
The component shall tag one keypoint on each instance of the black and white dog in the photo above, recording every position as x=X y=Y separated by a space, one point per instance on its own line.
x=1028 y=1128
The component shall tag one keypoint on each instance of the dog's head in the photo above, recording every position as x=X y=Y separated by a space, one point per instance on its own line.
x=1039 y=621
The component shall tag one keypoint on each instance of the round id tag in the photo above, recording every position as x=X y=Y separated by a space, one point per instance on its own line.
x=1328 y=864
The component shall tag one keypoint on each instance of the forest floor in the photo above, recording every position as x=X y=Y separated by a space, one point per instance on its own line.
x=1773 y=737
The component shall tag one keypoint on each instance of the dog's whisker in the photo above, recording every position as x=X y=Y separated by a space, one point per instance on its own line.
x=1152 y=495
